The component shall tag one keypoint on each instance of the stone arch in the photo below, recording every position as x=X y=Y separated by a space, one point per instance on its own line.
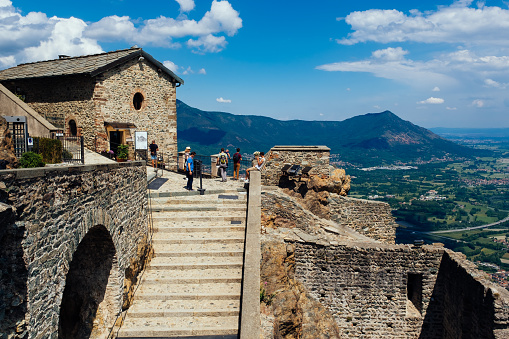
x=92 y=297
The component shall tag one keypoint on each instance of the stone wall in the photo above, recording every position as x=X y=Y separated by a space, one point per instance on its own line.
x=394 y=291
x=46 y=213
x=370 y=218
x=113 y=97
x=109 y=97
x=278 y=156
x=57 y=97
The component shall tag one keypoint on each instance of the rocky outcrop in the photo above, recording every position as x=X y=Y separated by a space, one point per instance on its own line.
x=7 y=146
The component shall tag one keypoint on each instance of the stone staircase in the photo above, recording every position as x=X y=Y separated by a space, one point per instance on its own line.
x=192 y=287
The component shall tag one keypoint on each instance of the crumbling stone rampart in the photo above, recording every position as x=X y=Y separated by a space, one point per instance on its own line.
x=46 y=213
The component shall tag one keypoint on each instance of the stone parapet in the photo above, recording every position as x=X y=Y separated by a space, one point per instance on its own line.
x=46 y=215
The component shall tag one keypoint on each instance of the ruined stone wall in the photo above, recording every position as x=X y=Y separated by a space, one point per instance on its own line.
x=465 y=303
x=314 y=156
x=370 y=218
x=46 y=213
x=365 y=286
x=114 y=92
x=395 y=291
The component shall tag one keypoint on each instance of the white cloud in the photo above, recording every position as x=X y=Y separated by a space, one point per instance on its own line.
x=171 y=66
x=34 y=36
x=186 y=5
x=478 y=103
x=435 y=89
x=224 y=101
x=390 y=54
x=7 y=61
x=458 y=67
x=495 y=84
x=451 y=108
x=432 y=100
x=455 y=23
x=111 y=28
x=66 y=38
x=348 y=89
x=208 y=43
x=202 y=71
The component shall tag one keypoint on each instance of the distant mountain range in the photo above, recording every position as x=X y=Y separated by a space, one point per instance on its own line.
x=374 y=138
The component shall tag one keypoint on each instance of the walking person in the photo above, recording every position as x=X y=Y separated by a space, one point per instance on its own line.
x=153 y=154
x=222 y=162
x=237 y=157
x=189 y=171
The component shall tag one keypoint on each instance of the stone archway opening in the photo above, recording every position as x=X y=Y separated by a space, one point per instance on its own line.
x=93 y=288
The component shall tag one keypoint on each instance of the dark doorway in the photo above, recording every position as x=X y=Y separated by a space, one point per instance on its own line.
x=85 y=284
x=115 y=140
x=73 y=128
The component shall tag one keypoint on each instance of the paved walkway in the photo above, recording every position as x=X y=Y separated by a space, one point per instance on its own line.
x=176 y=182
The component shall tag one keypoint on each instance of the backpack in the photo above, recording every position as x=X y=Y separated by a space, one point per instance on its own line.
x=236 y=157
x=222 y=159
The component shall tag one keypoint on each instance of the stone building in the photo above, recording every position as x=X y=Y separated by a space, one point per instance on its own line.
x=104 y=97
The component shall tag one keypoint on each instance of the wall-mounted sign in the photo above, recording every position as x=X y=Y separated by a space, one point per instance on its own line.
x=140 y=140
x=30 y=141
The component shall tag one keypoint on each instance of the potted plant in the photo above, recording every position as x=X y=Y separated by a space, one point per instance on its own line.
x=122 y=153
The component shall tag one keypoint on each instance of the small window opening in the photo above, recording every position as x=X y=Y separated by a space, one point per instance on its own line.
x=137 y=101
x=414 y=292
x=72 y=128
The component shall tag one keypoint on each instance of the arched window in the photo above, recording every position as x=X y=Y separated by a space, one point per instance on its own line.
x=72 y=127
x=138 y=100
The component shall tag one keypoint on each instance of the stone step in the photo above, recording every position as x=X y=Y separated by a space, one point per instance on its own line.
x=212 y=278
x=189 y=289
x=197 y=208
x=195 y=254
x=200 y=216
x=176 y=305
x=161 y=247
x=201 y=260
x=159 y=222
x=185 y=296
x=209 y=199
x=195 y=266
x=191 y=229
x=203 y=312
x=193 y=275
x=178 y=326
x=198 y=237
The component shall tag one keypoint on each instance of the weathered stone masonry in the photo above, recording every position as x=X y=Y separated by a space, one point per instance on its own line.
x=394 y=291
x=45 y=214
x=314 y=156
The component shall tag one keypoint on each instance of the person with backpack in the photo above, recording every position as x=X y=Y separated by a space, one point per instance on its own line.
x=236 y=164
x=222 y=162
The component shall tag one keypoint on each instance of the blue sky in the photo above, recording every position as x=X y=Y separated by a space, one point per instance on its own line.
x=436 y=64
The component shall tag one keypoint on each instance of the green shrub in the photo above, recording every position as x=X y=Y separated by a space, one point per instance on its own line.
x=66 y=155
x=50 y=149
x=122 y=151
x=31 y=160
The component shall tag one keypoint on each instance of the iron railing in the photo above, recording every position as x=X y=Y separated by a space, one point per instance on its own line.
x=73 y=148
